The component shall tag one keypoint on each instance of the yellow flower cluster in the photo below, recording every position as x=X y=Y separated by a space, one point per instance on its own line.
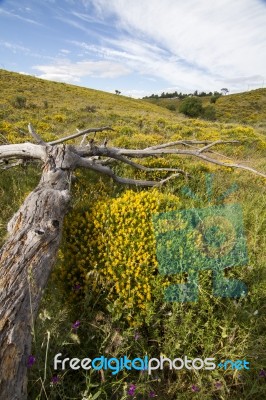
x=112 y=247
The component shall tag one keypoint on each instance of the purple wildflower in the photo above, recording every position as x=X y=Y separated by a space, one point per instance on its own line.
x=76 y=325
x=31 y=361
x=152 y=393
x=132 y=389
x=55 y=379
x=76 y=287
x=195 y=388
x=218 y=385
x=137 y=335
x=262 y=373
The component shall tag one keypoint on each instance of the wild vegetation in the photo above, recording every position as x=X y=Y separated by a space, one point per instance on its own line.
x=105 y=296
x=245 y=108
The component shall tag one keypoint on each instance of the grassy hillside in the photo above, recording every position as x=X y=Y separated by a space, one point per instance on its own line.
x=247 y=107
x=54 y=108
x=106 y=282
x=244 y=108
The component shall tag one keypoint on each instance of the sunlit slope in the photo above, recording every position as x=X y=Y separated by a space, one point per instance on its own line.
x=244 y=108
x=56 y=109
x=247 y=107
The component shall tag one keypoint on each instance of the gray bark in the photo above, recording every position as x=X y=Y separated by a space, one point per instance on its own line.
x=26 y=261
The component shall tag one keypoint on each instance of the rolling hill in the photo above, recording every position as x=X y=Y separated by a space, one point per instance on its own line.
x=56 y=108
x=244 y=108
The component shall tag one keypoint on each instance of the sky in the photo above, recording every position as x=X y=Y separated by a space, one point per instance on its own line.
x=138 y=47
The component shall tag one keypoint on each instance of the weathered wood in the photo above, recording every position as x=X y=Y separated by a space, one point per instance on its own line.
x=26 y=261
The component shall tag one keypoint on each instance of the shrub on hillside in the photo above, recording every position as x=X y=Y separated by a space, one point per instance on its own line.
x=191 y=106
x=19 y=102
x=111 y=249
x=171 y=107
x=209 y=113
x=214 y=98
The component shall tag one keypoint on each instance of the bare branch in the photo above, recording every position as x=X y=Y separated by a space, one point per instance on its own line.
x=23 y=151
x=203 y=149
x=189 y=143
x=194 y=153
x=210 y=151
x=80 y=133
x=85 y=163
x=158 y=150
x=83 y=141
x=35 y=135
x=231 y=165
x=119 y=153
x=143 y=168
x=33 y=151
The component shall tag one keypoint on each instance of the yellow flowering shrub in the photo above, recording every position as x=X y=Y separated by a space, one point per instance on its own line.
x=111 y=247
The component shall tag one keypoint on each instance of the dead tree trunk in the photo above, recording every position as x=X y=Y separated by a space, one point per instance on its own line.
x=29 y=253
x=26 y=261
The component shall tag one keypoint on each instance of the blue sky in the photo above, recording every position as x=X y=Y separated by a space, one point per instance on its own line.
x=137 y=46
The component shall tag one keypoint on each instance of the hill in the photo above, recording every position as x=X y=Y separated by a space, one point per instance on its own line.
x=246 y=107
x=53 y=107
x=56 y=108
x=243 y=108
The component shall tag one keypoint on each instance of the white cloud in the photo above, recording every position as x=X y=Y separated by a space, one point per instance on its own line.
x=17 y=16
x=14 y=47
x=67 y=71
x=65 y=51
x=150 y=60
x=87 y=18
x=134 y=93
x=195 y=44
x=17 y=48
x=75 y=24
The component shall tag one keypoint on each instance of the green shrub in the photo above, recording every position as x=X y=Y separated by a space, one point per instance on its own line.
x=20 y=102
x=171 y=107
x=214 y=98
x=209 y=113
x=191 y=106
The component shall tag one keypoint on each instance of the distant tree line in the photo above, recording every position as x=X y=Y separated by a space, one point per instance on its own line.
x=181 y=95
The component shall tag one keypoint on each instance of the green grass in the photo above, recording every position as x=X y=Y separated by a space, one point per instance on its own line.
x=243 y=108
x=212 y=327
x=248 y=108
